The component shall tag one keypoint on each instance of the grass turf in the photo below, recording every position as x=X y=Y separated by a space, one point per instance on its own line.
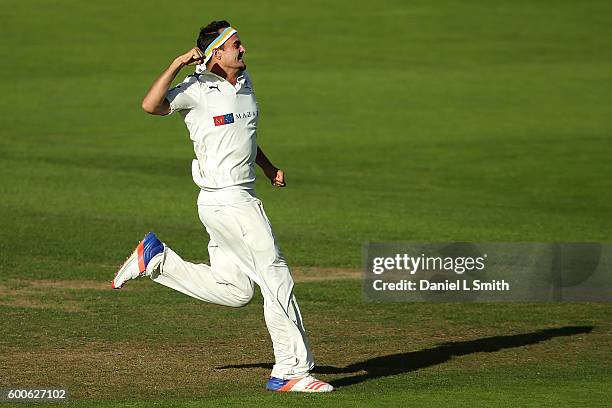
x=147 y=343
x=453 y=120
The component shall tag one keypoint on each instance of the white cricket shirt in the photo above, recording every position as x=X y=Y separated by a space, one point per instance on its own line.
x=222 y=123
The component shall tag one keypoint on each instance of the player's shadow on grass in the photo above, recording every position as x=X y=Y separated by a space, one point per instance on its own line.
x=401 y=363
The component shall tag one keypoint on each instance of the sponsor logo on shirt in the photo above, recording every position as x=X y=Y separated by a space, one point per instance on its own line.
x=224 y=119
x=245 y=115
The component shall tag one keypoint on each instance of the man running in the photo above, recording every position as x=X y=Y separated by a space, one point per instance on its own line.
x=218 y=106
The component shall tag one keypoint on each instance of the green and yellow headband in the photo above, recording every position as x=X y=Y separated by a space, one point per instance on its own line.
x=218 y=42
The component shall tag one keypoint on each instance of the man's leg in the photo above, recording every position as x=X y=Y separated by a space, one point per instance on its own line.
x=243 y=232
x=221 y=283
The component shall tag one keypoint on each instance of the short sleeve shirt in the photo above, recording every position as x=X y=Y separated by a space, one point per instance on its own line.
x=222 y=123
x=184 y=96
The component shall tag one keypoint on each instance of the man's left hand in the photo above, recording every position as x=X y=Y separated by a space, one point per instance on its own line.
x=278 y=178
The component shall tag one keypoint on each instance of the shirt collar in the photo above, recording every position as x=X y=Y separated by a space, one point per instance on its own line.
x=240 y=81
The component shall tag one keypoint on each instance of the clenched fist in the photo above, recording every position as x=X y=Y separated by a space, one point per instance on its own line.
x=192 y=57
x=278 y=179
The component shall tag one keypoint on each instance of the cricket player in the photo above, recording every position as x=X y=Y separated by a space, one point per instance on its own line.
x=218 y=105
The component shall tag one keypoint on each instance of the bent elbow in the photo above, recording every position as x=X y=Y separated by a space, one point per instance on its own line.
x=154 y=109
x=147 y=108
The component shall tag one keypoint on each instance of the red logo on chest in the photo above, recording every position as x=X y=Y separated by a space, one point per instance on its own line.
x=223 y=119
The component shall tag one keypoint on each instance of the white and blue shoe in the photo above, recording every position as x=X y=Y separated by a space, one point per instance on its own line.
x=303 y=384
x=148 y=252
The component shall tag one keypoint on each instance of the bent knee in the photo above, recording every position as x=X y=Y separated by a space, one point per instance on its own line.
x=243 y=296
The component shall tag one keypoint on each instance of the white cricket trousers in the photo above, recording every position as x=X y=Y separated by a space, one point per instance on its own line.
x=243 y=250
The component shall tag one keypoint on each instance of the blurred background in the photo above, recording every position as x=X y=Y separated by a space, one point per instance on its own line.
x=393 y=120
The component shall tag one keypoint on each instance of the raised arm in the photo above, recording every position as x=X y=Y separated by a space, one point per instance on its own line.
x=276 y=176
x=155 y=101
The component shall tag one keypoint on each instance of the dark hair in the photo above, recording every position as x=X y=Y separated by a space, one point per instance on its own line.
x=209 y=33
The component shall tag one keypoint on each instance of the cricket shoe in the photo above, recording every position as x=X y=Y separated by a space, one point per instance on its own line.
x=303 y=384
x=149 y=249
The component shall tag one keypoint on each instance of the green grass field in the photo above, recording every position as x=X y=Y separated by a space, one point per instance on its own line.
x=393 y=120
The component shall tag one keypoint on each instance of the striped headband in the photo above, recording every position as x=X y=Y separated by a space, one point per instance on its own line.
x=218 y=42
